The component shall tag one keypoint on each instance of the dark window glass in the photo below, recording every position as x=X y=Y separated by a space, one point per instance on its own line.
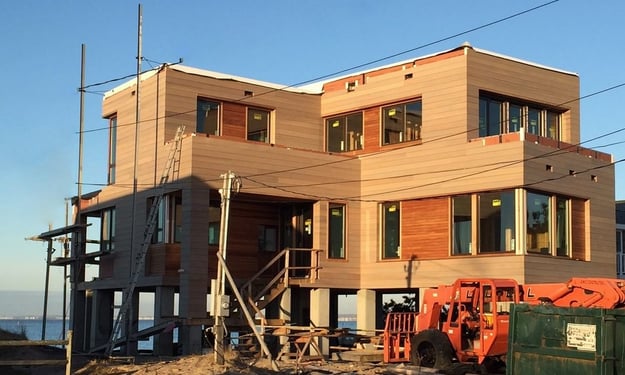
x=402 y=122
x=497 y=224
x=490 y=117
x=538 y=223
x=207 y=117
x=336 y=235
x=344 y=133
x=257 y=125
x=533 y=121
x=514 y=118
x=553 y=125
x=390 y=230
x=462 y=225
x=562 y=227
x=112 y=149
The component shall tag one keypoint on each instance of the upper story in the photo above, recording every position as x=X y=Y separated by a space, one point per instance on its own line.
x=451 y=99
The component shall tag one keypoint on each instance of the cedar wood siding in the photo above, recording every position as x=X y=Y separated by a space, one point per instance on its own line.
x=422 y=175
x=425 y=229
x=449 y=162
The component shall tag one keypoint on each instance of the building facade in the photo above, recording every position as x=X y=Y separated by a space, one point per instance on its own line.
x=463 y=163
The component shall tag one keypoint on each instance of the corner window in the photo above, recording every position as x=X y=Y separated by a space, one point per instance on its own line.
x=107 y=231
x=497 y=224
x=112 y=150
x=462 y=225
x=336 y=231
x=344 y=133
x=207 y=117
x=538 y=223
x=402 y=122
x=390 y=230
x=257 y=125
x=535 y=119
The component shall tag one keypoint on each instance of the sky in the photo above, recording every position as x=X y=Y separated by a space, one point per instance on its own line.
x=284 y=42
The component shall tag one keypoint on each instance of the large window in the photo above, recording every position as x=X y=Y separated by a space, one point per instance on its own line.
x=497 y=224
x=336 y=231
x=538 y=215
x=107 y=230
x=502 y=115
x=546 y=228
x=390 y=230
x=207 y=117
x=462 y=225
x=112 y=149
x=402 y=122
x=257 y=125
x=344 y=133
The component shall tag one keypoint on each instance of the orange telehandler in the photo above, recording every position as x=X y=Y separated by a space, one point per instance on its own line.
x=464 y=326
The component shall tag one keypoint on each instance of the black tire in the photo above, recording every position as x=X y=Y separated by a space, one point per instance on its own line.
x=431 y=348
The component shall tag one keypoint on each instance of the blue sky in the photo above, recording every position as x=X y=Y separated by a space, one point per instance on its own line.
x=284 y=42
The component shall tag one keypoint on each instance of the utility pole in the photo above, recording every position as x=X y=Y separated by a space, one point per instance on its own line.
x=220 y=300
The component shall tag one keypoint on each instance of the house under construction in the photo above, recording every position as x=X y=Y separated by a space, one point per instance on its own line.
x=464 y=163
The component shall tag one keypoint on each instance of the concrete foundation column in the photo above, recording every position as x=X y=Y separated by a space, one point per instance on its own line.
x=366 y=307
x=101 y=317
x=163 y=311
x=320 y=314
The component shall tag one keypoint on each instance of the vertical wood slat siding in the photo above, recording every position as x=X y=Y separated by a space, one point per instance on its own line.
x=578 y=229
x=371 y=129
x=233 y=120
x=425 y=229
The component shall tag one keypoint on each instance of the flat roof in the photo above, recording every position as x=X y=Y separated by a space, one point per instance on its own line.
x=317 y=87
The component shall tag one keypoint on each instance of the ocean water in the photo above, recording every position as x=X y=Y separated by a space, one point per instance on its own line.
x=54 y=328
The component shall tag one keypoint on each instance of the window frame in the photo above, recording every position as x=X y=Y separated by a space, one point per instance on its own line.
x=385 y=253
x=506 y=241
x=168 y=228
x=108 y=229
x=346 y=142
x=218 y=122
x=390 y=111
x=112 y=157
x=548 y=119
x=457 y=248
x=267 y=131
x=334 y=236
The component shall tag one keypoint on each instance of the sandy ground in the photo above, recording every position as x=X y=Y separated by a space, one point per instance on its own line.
x=204 y=364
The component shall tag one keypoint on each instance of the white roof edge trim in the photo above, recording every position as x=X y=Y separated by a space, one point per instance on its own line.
x=502 y=56
x=355 y=73
x=130 y=83
x=319 y=84
x=216 y=75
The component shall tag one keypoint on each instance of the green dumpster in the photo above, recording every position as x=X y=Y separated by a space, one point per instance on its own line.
x=550 y=340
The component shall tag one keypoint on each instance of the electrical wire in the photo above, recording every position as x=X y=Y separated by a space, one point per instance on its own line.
x=325 y=76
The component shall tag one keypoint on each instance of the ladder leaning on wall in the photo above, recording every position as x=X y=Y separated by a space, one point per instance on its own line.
x=151 y=222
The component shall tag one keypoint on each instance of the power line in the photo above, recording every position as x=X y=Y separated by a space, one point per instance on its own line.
x=359 y=66
x=336 y=72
